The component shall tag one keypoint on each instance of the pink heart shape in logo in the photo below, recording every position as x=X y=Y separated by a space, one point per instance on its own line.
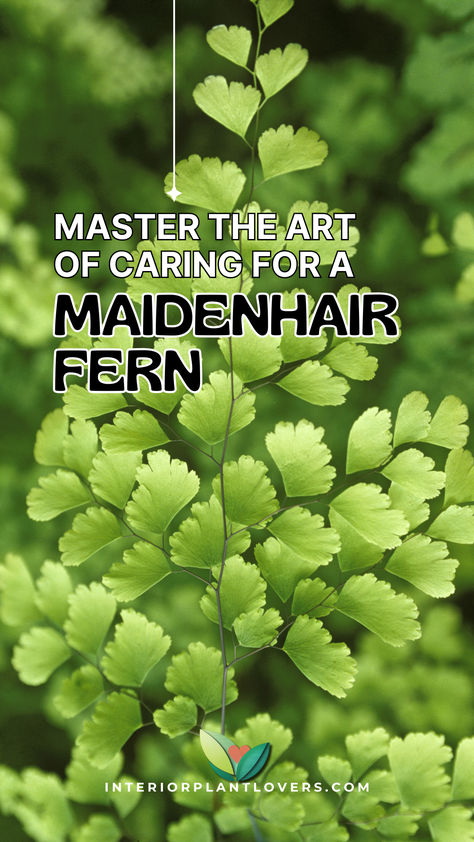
x=237 y=753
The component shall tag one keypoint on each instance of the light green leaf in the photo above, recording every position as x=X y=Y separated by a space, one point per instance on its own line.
x=142 y=567
x=38 y=653
x=249 y=495
x=206 y=413
x=370 y=440
x=85 y=783
x=293 y=347
x=326 y=664
x=49 y=439
x=208 y=183
x=10 y=787
x=326 y=249
x=247 y=245
x=272 y=10
x=99 y=828
x=177 y=716
x=365 y=748
x=334 y=770
x=434 y=245
x=328 y=831
x=313 y=596
x=253 y=357
x=414 y=472
x=113 y=476
x=356 y=552
x=232 y=42
x=306 y=535
x=278 y=68
x=367 y=510
x=228 y=286
x=114 y=721
x=463 y=774
x=459 y=477
x=78 y=691
x=132 y=432
x=283 y=150
x=413 y=419
x=198 y=673
x=282 y=811
x=352 y=360
x=260 y=729
x=447 y=428
x=166 y=401
x=56 y=493
x=90 y=531
x=79 y=403
x=137 y=647
x=125 y=800
x=455 y=524
x=398 y=826
x=463 y=229
x=414 y=508
x=165 y=485
x=301 y=457
x=232 y=104
x=200 y=538
x=140 y=283
x=242 y=589
x=91 y=611
x=195 y=826
x=374 y=604
x=53 y=589
x=257 y=627
x=282 y=567
x=316 y=384
x=456 y=10
x=425 y=564
x=18 y=605
x=454 y=822
x=417 y=765
x=232 y=819
x=80 y=446
x=43 y=810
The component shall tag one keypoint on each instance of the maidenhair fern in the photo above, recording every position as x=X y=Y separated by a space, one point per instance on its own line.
x=276 y=551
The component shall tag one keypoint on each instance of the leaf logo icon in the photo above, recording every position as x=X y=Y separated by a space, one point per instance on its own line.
x=231 y=762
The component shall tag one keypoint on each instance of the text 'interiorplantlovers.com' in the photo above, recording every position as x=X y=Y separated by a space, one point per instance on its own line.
x=176 y=288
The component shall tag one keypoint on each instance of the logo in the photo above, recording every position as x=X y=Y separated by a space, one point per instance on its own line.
x=231 y=762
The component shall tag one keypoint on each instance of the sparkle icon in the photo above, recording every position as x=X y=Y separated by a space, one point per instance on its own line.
x=174 y=192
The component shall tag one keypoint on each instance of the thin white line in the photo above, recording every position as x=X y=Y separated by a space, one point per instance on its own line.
x=174 y=92
x=174 y=193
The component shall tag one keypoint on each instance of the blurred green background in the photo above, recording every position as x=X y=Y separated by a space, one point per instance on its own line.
x=85 y=125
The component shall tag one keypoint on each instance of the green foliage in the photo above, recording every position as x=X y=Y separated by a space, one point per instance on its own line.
x=177 y=717
x=234 y=105
x=302 y=458
x=232 y=42
x=283 y=150
x=38 y=654
x=164 y=486
x=393 y=521
x=137 y=646
x=196 y=674
x=91 y=611
x=56 y=493
x=326 y=664
x=206 y=412
x=90 y=532
x=113 y=722
x=208 y=183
